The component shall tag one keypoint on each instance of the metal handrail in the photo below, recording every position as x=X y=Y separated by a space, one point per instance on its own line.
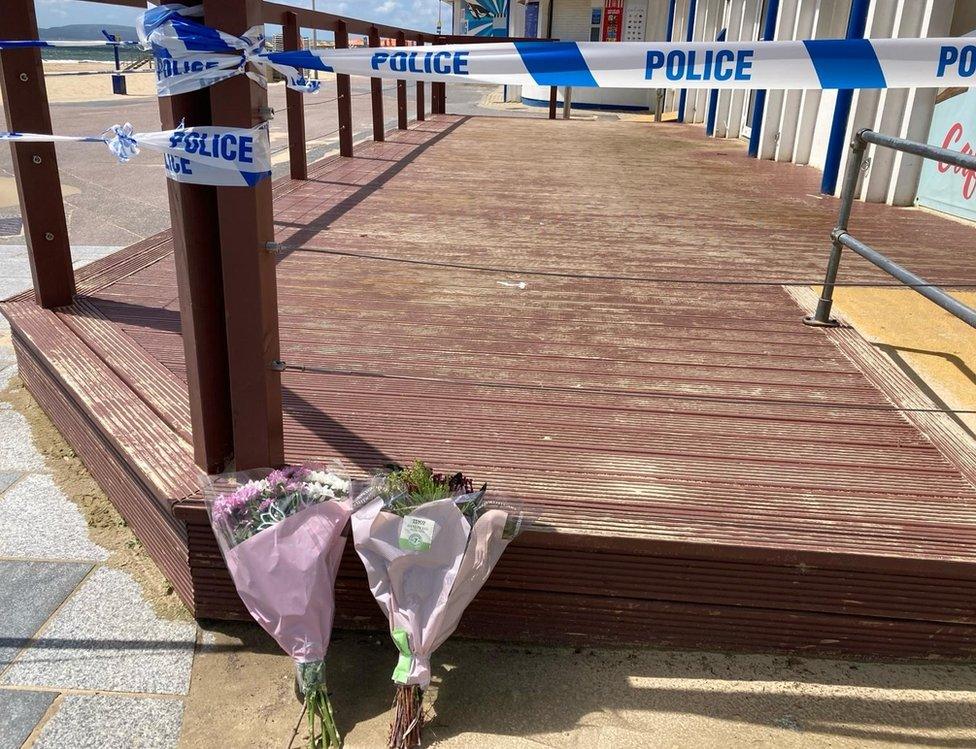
x=841 y=238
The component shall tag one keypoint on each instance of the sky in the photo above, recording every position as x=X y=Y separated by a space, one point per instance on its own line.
x=417 y=14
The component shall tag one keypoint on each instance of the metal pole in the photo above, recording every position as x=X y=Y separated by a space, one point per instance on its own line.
x=932 y=293
x=567 y=102
x=821 y=318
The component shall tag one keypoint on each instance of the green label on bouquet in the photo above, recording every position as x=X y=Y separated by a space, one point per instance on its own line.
x=416 y=533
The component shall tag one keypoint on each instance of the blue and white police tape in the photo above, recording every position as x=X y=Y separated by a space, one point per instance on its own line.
x=815 y=64
x=223 y=156
x=190 y=56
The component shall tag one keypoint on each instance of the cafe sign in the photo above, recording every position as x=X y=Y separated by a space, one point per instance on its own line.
x=942 y=187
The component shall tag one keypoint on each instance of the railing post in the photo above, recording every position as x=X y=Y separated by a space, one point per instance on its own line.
x=567 y=102
x=401 y=86
x=438 y=97
x=295 y=102
x=421 y=104
x=199 y=283
x=553 y=101
x=821 y=318
x=250 y=287
x=376 y=89
x=343 y=94
x=35 y=164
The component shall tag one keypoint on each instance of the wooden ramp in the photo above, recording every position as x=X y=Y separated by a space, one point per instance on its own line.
x=703 y=470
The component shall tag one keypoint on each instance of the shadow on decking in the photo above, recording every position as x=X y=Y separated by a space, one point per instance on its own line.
x=307 y=230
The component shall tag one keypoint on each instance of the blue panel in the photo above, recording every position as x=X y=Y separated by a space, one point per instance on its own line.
x=555 y=63
x=846 y=63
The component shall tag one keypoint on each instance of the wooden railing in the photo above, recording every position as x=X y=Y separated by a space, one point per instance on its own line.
x=221 y=235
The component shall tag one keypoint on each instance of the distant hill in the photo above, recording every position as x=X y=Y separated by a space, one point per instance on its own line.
x=87 y=32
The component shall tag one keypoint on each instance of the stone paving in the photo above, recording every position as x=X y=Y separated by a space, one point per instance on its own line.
x=84 y=660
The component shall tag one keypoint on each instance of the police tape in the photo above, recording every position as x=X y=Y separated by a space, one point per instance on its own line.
x=190 y=55
x=813 y=64
x=222 y=156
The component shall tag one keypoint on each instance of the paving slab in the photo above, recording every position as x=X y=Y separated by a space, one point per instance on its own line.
x=7 y=478
x=19 y=713
x=102 y=722
x=31 y=592
x=37 y=521
x=107 y=637
x=17 y=451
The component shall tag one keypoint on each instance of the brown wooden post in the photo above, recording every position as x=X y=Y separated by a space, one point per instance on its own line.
x=553 y=101
x=401 y=87
x=250 y=286
x=196 y=251
x=35 y=164
x=343 y=94
x=295 y=102
x=421 y=104
x=438 y=94
x=376 y=88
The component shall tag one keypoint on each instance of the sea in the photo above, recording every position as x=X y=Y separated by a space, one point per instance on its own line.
x=90 y=54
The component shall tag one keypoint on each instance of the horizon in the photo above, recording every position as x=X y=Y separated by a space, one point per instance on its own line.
x=419 y=14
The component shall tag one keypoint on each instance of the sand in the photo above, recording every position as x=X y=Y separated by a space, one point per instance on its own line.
x=937 y=350
x=491 y=695
x=64 y=86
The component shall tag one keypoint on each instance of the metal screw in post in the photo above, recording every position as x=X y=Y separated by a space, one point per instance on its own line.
x=36 y=159
x=278 y=366
x=24 y=77
x=49 y=237
x=273 y=247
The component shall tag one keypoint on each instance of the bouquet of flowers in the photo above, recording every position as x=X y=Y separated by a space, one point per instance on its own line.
x=428 y=543
x=281 y=535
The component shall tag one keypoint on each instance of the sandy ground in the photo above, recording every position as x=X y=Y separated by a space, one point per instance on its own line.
x=937 y=350
x=64 y=85
x=491 y=695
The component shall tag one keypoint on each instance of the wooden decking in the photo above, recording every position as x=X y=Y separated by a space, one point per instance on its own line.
x=704 y=470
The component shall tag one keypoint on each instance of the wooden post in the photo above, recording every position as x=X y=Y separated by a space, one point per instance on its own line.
x=250 y=286
x=295 y=102
x=35 y=164
x=553 y=101
x=376 y=88
x=199 y=281
x=343 y=94
x=421 y=104
x=401 y=87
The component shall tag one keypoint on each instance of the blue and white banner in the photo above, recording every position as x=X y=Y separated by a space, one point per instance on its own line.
x=222 y=156
x=190 y=56
x=816 y=64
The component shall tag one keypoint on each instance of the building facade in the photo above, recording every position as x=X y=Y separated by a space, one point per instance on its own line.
x=801 y=127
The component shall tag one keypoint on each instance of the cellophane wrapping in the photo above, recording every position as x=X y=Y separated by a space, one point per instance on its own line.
x=281 y=535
